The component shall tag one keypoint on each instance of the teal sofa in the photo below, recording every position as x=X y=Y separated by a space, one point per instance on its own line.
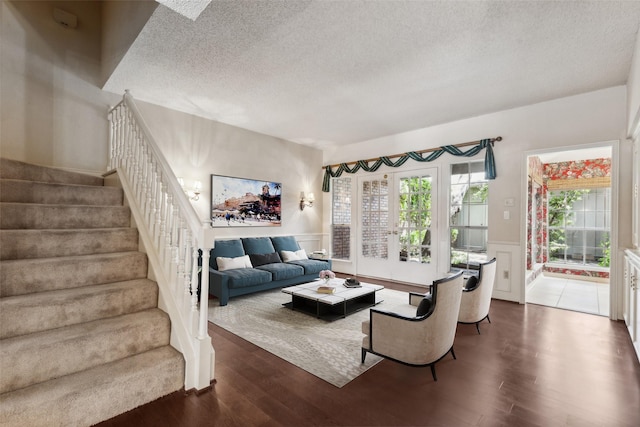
x=267 y=270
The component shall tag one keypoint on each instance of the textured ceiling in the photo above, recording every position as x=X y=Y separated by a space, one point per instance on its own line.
x=322 y=72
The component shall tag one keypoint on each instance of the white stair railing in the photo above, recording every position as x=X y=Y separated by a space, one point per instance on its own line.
x=172 y=234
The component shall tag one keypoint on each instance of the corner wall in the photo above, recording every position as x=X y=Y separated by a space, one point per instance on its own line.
x=53 y=112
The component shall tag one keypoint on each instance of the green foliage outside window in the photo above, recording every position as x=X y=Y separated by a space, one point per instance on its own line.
x=415 y=218
x=561 y=219
x=560 y=204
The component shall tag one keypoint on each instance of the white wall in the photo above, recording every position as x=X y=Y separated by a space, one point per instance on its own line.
x=633 y=90
x=583 y=119
x=196 y=147
x=52 y=111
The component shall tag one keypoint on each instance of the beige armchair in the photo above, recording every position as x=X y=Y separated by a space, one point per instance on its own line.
x=476 y=295
x=421 y=337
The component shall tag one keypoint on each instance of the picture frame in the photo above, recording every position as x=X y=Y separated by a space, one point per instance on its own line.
x=243 y=202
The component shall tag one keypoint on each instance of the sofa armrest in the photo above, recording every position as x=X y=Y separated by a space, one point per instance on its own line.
x=218 y=286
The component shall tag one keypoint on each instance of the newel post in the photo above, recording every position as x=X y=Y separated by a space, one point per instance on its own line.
x=208 y=242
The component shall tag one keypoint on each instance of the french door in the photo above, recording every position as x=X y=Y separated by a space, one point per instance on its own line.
x=396 y=236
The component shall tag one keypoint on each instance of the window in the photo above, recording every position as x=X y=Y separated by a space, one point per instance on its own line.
x=414 y=224
x=579 y=226
x=341 y=218
x=468 y=216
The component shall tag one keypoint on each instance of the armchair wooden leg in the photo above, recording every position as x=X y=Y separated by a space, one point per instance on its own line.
x=453 y=353
x=478 y=327
x=433 y=371
x=364 y=354
x=488 y=318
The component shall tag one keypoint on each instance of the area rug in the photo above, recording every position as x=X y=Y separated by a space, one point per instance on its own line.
x=328 y=350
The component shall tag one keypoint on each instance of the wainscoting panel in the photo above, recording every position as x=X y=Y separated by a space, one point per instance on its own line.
x=509 y=277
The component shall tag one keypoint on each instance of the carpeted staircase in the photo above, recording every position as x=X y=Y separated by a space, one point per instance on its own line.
x=81 y=337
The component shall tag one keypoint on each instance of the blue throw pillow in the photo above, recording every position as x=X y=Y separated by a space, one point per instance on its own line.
x=425 y=306
x=285 y=243
x=257 y=245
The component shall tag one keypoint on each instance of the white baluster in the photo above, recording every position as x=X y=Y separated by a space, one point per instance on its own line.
x=186 y=265
x=204 y=295
x=162 y=215
x=120 y=131
x=110 y=162
x=152 y=182
x=180 y=261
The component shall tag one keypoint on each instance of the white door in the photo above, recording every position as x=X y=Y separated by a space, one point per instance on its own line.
x=397 y=230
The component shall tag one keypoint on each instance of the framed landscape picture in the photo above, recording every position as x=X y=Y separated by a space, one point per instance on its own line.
x=241 y=202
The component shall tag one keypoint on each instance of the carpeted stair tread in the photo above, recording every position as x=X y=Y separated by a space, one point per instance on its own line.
x=94 y=395
x=41 y=216
x=13 y=169
x=19 y=277
x=26 y=314
x=28 y=244
x=79 y=347
x=18 y=191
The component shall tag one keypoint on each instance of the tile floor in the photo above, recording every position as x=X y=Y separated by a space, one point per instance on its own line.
x=570 y=294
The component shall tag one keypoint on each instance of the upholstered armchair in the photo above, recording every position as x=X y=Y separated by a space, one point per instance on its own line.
x=476 y=295
x=421 y=336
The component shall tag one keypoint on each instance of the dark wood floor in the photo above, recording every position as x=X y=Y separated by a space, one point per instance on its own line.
x=532 y=366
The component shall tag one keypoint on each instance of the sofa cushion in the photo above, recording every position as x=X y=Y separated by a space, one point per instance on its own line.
x=243 y=277
x=227 y=249
x=231 y=263
x=311 y=266
x=282 y=271
x=257 y=245
x=293 y=256
x=262 y=259
x=285 y=243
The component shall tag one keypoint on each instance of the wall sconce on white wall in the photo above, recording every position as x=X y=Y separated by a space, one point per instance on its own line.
x=193 y=193
x=306 y=200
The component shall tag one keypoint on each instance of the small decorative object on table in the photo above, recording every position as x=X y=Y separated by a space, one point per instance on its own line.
x=327 y=275
x=326 y=289
x=351 y=283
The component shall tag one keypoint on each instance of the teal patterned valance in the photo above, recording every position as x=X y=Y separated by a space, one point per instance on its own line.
x=418 y=156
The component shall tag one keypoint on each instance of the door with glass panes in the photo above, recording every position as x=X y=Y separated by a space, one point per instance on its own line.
x=396 y=236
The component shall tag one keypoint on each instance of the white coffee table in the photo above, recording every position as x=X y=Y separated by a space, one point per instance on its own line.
x=342 y=302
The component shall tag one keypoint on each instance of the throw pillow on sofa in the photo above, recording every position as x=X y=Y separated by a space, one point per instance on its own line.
x=262 y=259
x=231 y=263
x=425 y=306
x=293 y=256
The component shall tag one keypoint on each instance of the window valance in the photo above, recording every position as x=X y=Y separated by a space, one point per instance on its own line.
x=418 y=156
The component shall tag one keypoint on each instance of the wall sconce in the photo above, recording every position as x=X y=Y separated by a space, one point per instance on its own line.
x=193 y=193
x=306 y=201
